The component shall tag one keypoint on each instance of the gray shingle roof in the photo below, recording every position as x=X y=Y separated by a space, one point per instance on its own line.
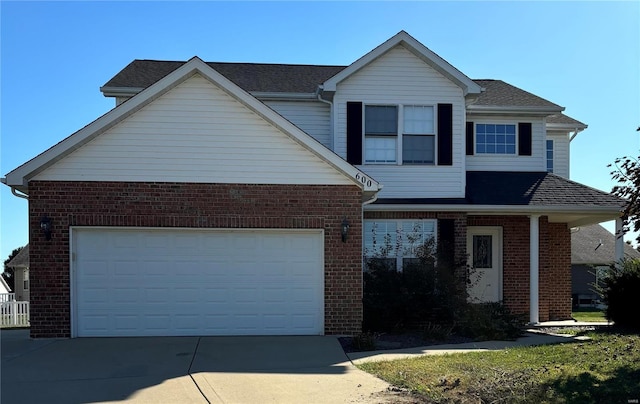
x=490 y=188
x=259 y=77
x=290 y=78
x=564 y=120
x=21 y=260
x=586 y=247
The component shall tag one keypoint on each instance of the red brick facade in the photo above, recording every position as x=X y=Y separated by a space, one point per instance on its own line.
x=198 y=206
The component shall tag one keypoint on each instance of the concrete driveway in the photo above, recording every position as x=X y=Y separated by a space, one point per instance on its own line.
x=182 y=370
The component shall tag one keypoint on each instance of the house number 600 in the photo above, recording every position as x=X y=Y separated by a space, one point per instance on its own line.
x=364 y=180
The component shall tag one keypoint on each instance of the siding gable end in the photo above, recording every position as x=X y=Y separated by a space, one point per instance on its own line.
x=195 y=132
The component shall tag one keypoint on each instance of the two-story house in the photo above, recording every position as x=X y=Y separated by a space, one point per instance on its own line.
x=240 y=198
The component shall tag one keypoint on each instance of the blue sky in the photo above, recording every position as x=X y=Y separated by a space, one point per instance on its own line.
x=584 y=56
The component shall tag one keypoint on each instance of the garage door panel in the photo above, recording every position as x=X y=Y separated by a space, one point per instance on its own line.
x=197 y=282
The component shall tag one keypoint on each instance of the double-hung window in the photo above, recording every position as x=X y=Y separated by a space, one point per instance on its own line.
x=418 y=135
x=399 y=134
x=396 y=243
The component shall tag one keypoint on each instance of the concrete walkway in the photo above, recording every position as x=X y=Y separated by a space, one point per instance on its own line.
x=531 y=338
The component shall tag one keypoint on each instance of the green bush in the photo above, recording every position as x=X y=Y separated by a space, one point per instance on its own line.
x=489 y=321
x=620 y=293
x=431 y=288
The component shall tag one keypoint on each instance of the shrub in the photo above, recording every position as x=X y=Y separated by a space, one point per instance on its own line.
x=430 y=288
x=364 y=341
x=489 y=321
x=620 y=291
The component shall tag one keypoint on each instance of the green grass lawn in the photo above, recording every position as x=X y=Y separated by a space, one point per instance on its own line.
x=603 y=370
x=589 y=315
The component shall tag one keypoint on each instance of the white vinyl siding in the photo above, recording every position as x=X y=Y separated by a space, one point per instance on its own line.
x=177 y=282
x=561 y=161
x=510 y=162
x=194 y=133
x=312 y=117
x=400 y=78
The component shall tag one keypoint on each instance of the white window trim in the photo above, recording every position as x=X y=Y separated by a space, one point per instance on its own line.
x=399 y=256
x=400 y=133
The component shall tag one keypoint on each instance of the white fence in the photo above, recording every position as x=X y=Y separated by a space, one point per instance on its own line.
x=7 y=297
x=14 y=314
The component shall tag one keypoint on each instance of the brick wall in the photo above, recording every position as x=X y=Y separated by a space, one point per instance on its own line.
x=554 y=265
x=198 y=206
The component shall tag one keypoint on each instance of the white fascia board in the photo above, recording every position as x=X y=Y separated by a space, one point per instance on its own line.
x=273 y=96
x=499 y=209
x=20 y=176
x=512 y=110
x=425 y=54
x=566 y=127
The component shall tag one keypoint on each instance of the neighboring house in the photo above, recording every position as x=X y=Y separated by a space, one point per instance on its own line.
x=238 y=198
x=592 y=251
x=20 y=265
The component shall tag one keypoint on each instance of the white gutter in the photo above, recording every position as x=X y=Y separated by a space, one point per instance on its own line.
x=493 y=109
x=13 y=190
x=332 y=141
x=493 y=209
x=262 y=95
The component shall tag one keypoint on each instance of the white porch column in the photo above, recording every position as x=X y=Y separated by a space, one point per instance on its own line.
x=619 y=241
x=534 y=273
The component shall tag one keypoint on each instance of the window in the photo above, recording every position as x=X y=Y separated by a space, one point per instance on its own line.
x=382 y=127
x=25 y=284
x=381 y=133
x=418 y=135
x=550 y=156
x=396 y=243
x=495 y=139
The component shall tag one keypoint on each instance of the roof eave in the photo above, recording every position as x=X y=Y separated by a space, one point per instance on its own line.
x=513 y=110
x=120 y=91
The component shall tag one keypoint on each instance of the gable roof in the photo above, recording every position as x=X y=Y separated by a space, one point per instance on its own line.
x=4 y=285
x=595 y=245
x=21 y=260
x=419 y=50
x=18 y=178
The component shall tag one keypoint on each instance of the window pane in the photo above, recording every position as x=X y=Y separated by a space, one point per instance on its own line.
x=482 y=252
x=380 y=149
x=418 y=149
x=380 y=239
x=495 y=139
x=380 y=120
x=550 y=156
x=415 y=234
x=418 y=120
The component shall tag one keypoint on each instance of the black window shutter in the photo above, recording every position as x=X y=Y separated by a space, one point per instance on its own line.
x=469 y=138
x=446 y=241
x=524 y=139
x=445 y=134
x=354 y=133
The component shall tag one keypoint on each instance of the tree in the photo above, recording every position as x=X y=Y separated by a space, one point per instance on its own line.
x=626 y=172
x=8 y=272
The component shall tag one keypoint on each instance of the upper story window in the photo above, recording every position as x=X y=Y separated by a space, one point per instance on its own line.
x=495 y=139
x=396 y=243
x=550 y=156
x=399 y=133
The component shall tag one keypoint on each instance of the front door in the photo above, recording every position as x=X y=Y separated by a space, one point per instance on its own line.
x=484 y=246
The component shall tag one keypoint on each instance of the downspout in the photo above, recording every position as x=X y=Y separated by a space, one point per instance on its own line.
x=319 y=95
x=575 y=133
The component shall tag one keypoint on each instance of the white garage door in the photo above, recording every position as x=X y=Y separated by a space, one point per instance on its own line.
x=197 y=282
